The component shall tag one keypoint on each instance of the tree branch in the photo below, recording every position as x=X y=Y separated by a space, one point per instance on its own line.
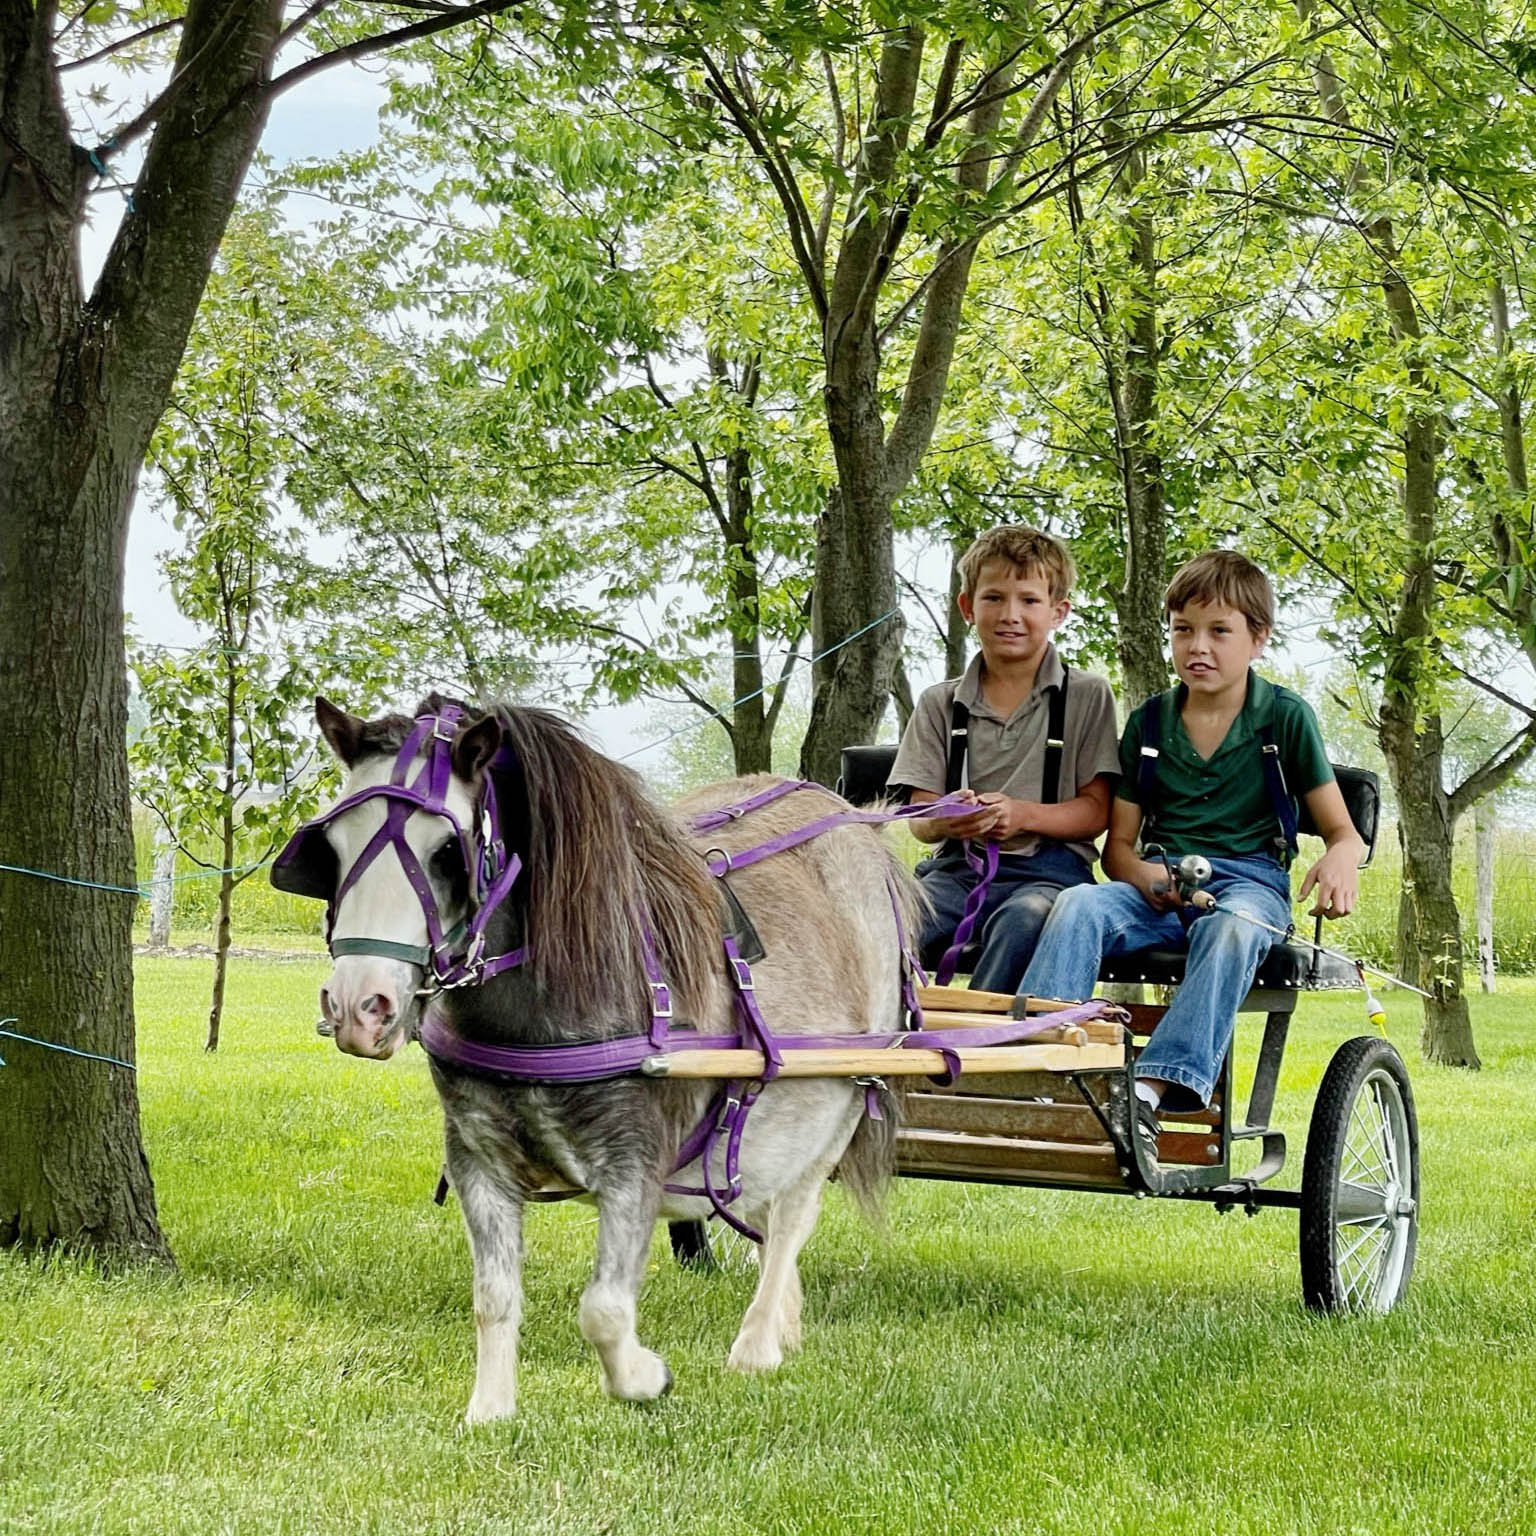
x=802 y=232
x=364 y=47
x=1495 y=773
x=121 y=43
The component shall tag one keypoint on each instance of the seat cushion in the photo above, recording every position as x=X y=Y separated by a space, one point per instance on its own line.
x=1286 y=968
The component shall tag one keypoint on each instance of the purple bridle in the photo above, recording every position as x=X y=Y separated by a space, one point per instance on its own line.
x=456 y=957
x=451 y=957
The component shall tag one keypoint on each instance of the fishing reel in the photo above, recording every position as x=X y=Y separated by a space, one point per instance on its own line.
x=1187 y=877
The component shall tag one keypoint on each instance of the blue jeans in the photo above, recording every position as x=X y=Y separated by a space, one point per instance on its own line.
x=1191 y=1040
x=1017 y=904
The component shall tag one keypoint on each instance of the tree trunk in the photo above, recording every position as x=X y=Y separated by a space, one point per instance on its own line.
x=162 y=888
x=1428 y=834
x=751 y=723
x=81 y=386
x=1410 y=735
x=901 y=697
x=855 y=608
x=220 y=961
x=1405 y=951
x=1139 y=601
x=1487 y=821
x=1414 y=746
x=957 y=637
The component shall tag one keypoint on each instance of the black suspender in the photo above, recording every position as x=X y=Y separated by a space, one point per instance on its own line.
x=1055 y=737
x=959 y=744
x=1280 y=802
x=1146 y=766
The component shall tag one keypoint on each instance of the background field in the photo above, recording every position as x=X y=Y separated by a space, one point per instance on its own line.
x=995 y=1361
x=293 y=921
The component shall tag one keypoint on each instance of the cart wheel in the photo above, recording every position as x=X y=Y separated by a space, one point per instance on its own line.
x=1360 y=1182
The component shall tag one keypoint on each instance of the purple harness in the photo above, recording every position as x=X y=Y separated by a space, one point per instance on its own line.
x=456 y=957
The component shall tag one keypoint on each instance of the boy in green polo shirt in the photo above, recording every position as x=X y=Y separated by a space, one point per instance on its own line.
x=1038 y=759
x=1231 y=752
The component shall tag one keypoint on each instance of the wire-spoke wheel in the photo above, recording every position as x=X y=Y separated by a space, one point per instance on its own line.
x=1360 y=1182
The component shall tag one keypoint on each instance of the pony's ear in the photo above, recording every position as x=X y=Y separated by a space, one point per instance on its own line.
x=475 y=746
x=343 y=731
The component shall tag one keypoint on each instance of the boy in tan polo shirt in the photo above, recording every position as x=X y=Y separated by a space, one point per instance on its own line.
x=1041 y=795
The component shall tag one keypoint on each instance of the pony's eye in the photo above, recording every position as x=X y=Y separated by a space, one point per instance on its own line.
x=447 y=863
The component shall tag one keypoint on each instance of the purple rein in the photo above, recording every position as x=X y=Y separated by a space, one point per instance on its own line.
x=985 y=865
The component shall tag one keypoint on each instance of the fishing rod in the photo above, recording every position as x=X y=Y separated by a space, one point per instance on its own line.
x=1193 y=870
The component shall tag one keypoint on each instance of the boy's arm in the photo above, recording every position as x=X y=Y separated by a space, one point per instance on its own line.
x=921 y=761
x=1122 y=862
x=1335 y=877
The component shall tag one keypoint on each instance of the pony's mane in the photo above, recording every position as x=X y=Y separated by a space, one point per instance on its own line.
x=600 y=853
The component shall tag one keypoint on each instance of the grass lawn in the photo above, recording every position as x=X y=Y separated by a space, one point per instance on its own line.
x=995 y=1361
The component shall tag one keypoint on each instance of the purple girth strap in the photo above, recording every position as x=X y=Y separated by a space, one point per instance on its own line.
x=727 y=1117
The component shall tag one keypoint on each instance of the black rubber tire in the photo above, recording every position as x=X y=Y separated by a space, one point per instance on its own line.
x=690 y=1245
x=1364 y=1062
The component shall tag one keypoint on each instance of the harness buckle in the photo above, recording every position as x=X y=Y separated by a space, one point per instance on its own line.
x=723 y=856
x=743 y=973
x=661 y=1000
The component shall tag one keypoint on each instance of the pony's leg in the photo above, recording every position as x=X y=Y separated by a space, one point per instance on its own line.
x=494 y=1218
x=789 y=1313
x=625 y=1218
x=772 y=1322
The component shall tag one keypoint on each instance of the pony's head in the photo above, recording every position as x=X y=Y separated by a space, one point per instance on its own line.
x=408 y=862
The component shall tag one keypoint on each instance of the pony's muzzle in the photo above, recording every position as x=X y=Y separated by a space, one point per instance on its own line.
x=363 y=1009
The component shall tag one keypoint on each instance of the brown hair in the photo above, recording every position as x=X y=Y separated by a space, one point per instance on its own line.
x=1224 y=577
x=1026 y=549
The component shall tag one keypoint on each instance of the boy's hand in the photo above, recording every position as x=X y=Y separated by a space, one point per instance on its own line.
x=1335 y=879
x=980 y=823
x=1151 y=879
x=1010 y=816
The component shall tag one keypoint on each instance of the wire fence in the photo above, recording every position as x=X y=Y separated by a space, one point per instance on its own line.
x=1370 y=932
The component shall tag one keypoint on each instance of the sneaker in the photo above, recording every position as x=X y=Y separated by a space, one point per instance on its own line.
x=1144 y=1128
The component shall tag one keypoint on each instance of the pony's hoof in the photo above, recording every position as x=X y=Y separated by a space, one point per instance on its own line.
x=483 y=1411
x=754 y=1355
x=647 y=1379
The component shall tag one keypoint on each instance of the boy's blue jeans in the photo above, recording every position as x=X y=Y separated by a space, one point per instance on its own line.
x=1017 y=905
x=1190 y=1042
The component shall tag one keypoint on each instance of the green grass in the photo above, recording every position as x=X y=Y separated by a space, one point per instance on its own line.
x=996 y=1361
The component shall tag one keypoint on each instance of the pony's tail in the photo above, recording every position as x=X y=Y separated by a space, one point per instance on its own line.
x=867 y=1164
